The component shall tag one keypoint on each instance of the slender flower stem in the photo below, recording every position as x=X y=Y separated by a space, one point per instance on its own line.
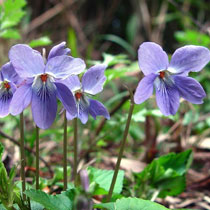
x=122 y=147
x=22 y=154
x=37 y=157
x=65 y=152
x=75 y=151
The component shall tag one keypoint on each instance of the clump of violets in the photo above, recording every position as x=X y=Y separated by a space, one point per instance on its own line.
x=8 y=81
x=171 y=80
x=91 y=84
x=42 y=85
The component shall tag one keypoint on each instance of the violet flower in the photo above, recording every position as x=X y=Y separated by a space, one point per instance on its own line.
x=41 y=87
x=8 y=81
x=171 y=80
x=92 y=84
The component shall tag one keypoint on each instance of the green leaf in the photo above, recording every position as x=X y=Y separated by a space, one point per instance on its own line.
x=12 y=13
x=103 y=179
x=52 y=202
x=10 y=34
x=131 y=204
x=1 y=151
x=165 y=175
x=192 y=37
x=131 y=28
x=43 y=41
x=121 y=42
x=36 y=206
x=72 y=42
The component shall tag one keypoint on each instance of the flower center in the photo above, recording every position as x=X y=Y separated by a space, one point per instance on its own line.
x=7 y=85
x=78 y=95
x=44 y=77
x=162 y=74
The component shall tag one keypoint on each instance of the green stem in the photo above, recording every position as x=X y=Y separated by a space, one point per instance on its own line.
x=37 y=157
x=122 y=147
x=65 y=152
x=75 y=151
x=22 y=154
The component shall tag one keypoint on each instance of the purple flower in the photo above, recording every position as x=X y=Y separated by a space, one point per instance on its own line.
x=170 y=80
x=41 y=87
x=92 y=83
x=8 y=81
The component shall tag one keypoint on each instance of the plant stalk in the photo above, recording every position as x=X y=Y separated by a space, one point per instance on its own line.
x=75 y=150
x=22 y=154
x=37 y=157
x=65 y=152
x=122 y=147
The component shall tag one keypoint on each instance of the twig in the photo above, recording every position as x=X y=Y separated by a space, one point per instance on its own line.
x=197 y=23
x=49 y=14
x=26 y=148
x=112 y=112
x=74 y=22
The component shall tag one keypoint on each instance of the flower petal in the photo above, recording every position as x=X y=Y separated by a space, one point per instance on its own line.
x=58 y=50
x=96 y=108
x=144 y=89
x=64 y=66
x=4 y=107
x=93 y=79
x=5 y=100
x=190 y=89
x=21 y=99
x=69 y=116
x=44 y=108
x=152 y=58
x=72 y=82
x=65 y=95
x=83 y=113
x=26 y=61
x=189 y=58
x=167 y=98
x=8 y=73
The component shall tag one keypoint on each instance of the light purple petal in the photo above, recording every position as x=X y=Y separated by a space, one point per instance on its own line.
x=93 y=79
x=9 y=73
x=152 y=58
x=21 y=99
x=4 y=107
x=70 y=117
x=96 y=108
x=64 y=66
x=72 y=82
x=167 y=98
x=83 y=113
x=189 y=58
x=5 y=99
x=190 y=89
x=44 y=108
x=58 y=50
x=144 y=89
x=66 y=97
x=26 y=61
